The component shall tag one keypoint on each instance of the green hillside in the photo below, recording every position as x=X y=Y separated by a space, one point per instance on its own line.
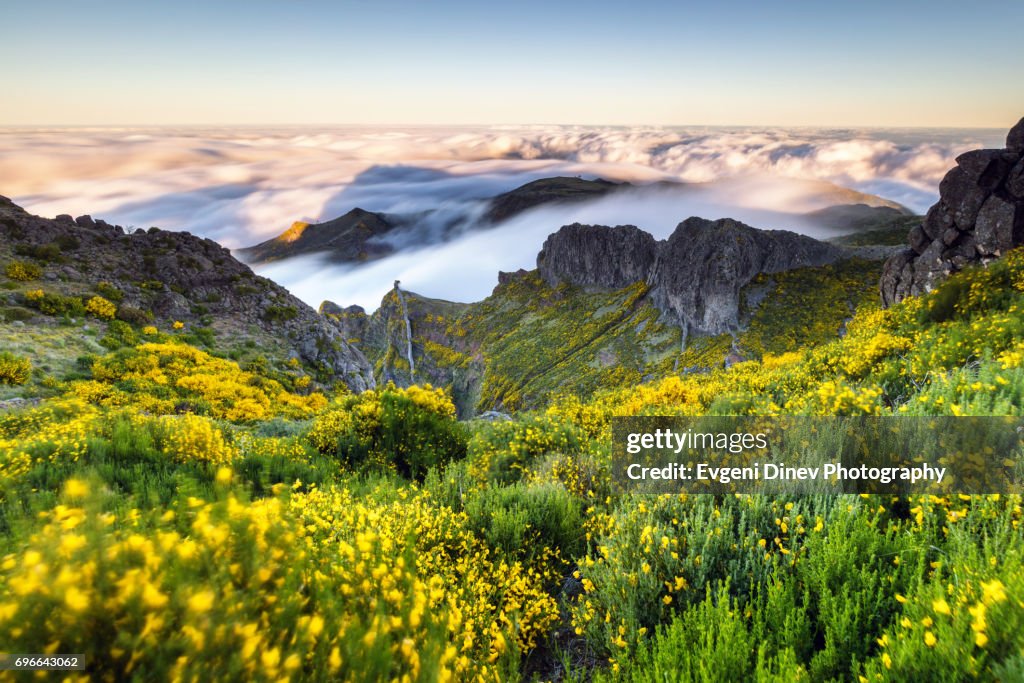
x=166 y=510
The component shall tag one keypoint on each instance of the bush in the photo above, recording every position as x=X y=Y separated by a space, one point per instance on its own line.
x=523 y=520
x=407 y=431
x=134 y=315
x=119 y=333
x=503 y=451
x=23 y=271
x=14 y=369
x=101 y=308
x=109 y=291
x=55 y=304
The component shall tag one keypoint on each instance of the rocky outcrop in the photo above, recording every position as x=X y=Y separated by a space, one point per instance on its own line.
x=175 y=276
x=347 y=238
x=598 y=256
x=546 y=191
x=695 y=276
x=979 y=217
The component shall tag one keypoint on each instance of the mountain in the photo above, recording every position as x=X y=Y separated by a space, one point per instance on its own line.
x=609 y=306
x=546 y=191
x=978 y=218
x=347 y=238
x=161 y=277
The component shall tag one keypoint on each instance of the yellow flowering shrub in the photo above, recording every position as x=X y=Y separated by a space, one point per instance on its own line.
x=23 y=271
x=393 y=429
x=14 y=369
x=101 y=308
x=165 y=376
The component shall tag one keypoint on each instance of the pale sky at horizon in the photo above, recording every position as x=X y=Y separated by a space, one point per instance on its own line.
x=937 y=64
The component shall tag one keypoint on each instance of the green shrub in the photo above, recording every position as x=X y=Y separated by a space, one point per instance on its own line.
x=503 y=451
x=14 y=369
x=407 y=431
x=524 y=519
x=55 y=304
x=109 y=291
x=23 y=271
x=134 y=315
x=119 y=333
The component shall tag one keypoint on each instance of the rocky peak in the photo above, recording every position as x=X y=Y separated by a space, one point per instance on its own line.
x=695 y=275
x=595 y=255
x=346 y=238
x=979 y=217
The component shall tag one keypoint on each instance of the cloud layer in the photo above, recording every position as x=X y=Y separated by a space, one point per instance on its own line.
x=240 y=186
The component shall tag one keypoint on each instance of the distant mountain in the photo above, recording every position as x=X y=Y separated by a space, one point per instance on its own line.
x=356 y=236
x=347 y=238
x=547 y=191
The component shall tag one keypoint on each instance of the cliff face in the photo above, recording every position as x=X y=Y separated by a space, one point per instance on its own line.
x=695 y=276
x=593 y=255
x=175 y=276
x=979 y=217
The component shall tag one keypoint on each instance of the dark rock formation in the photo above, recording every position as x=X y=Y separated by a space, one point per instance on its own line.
x=695 y=276
x=594 y=255
x=347 y=238
x=545 y=191
x=979 y=217
x=176 y=276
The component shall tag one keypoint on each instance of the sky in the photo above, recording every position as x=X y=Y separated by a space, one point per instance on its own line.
x=746 y=62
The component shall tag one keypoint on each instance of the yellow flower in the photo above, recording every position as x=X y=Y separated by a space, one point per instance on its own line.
x=153 y=598
x=886 y=660
x=667 y=599
x=76 y=600
x=980 y=639
x=76 y=488
x=224 y=476
x=178 y=325
x=940 y=606
x=993 y=592
x=271 y=658
x=929 y=639
x=201 y=602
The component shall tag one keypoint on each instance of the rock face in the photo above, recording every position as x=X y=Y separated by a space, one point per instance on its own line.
x=175 y=276
x=979 y=217
x=695 y=275
x=347 y=238
x=594 y=255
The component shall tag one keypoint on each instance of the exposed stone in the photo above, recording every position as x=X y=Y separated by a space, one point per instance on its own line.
x=918 y=240
x=979 y=215
x=1015 y=181
x=695 y=275
x=1015 y=138
x=994 y=228
x=598 y=256
x=961 y=197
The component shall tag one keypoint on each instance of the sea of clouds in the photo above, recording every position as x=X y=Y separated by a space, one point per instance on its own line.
x=241 y=186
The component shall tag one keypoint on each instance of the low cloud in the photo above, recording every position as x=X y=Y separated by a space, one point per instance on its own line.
x=242 y=185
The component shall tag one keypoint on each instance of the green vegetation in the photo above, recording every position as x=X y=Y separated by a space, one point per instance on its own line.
x=170 y=512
